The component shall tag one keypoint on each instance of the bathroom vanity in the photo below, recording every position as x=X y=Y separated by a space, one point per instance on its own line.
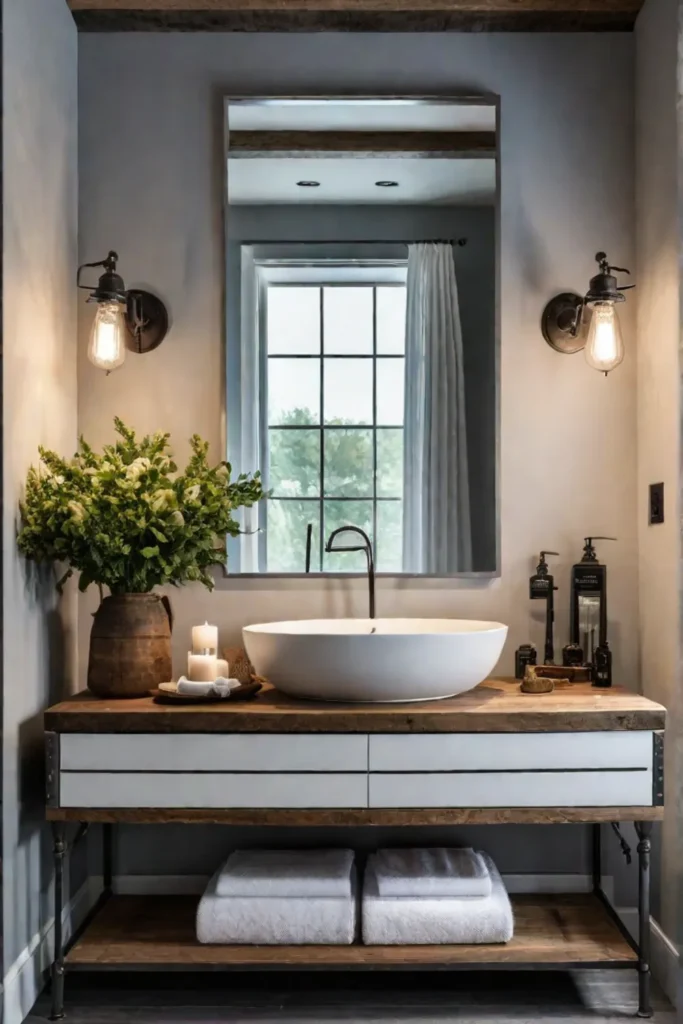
x=490 y=756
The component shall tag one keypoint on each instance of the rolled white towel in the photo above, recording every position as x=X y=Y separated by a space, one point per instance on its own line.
x=436 y=920
x=220 y=687
x=290 y=873
x=432 y=872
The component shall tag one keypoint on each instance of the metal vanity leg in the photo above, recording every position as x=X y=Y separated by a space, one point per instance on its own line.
x=107 y=858
x=644 y=830
x=59 y=851
x=596 y=836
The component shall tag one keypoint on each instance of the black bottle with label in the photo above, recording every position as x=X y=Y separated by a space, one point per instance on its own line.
x=524 y=655
x=602 y=666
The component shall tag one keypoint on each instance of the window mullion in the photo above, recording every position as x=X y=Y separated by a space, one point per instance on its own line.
x=321 y=530
x=375 y=538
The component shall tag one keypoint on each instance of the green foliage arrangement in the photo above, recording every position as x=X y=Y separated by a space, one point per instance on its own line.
x=127 y=519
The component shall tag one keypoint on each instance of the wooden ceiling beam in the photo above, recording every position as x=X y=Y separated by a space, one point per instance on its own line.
x=355 y=15
x=328 y=144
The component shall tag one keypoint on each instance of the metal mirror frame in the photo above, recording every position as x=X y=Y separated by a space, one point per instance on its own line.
x=464 y=99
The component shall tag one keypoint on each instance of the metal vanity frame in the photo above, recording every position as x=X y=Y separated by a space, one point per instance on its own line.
x=588 y=714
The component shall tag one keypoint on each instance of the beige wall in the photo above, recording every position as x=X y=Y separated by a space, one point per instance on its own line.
x=151 y=188
x=659 y=386
x=39 y=407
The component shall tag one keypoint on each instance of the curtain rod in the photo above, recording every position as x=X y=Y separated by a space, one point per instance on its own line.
x=363 y=241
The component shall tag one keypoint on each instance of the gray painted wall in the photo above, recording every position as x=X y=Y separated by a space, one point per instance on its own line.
x=153 y=189
x=40 y=252
x=476 y=273
x=658 y=141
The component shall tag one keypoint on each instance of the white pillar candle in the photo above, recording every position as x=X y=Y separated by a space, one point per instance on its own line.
x=204 y=638
x=223 y=669
x=201 y=668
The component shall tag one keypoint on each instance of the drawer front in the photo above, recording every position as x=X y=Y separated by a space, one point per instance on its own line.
x=212 y=790
x=512 y=789
x=236 y=752
x=512 y=751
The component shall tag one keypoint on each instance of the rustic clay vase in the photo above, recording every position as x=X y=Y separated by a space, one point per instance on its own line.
x=130 y=645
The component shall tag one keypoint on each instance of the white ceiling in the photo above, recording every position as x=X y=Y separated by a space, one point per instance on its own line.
x=352 y=181
x=360 y=115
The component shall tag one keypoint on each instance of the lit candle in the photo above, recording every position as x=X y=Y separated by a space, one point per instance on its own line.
x=201 y=668
x=204 y=638
x=223 y=669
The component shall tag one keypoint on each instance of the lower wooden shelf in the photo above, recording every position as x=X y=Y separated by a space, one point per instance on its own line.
x=157 y=932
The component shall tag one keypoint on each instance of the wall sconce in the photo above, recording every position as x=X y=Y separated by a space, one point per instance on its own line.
x=125 y=318
x=571 y=323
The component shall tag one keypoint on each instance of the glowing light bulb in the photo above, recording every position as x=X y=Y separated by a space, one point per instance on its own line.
x=605 y=345
x=107 y=348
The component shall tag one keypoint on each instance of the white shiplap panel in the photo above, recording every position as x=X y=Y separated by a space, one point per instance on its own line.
x=212 y=790
x=511 y=751
x=513 y=789
x=201 y=752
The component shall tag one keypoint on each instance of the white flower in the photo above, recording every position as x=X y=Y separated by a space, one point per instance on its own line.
x=137 y=468
x=161 y=499
x=77 y=511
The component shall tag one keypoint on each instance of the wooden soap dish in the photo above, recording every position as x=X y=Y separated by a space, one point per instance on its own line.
x=168 y=694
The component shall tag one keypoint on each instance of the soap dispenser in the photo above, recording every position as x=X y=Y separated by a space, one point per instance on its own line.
x=588 y=611
x=542 y=588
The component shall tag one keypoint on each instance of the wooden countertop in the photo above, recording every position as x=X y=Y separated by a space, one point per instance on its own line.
x=494 y=706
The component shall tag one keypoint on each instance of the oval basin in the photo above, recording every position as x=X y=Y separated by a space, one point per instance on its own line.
x=375 y=660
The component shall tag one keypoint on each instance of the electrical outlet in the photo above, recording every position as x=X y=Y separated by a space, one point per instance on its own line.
x=656 y=504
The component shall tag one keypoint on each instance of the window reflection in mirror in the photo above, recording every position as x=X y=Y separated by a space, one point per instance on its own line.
x=362 y=332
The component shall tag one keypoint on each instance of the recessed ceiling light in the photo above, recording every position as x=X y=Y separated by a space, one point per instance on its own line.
x=308 y=184
x=386 y=184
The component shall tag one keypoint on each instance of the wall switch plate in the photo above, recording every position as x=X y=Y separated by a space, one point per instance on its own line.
x=656 y=504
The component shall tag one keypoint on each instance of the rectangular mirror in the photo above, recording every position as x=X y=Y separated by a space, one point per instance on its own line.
x=362 y=331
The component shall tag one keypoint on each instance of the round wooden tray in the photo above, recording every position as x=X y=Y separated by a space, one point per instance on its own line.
x=245 y=692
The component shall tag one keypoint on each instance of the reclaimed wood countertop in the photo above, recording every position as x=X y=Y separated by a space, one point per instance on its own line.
x=496 y=705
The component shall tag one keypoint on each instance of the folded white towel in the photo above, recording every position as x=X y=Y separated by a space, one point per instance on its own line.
x=220 y=687
x=291 y=873
x=432 y=872
x=438 y=920
x=277 y=920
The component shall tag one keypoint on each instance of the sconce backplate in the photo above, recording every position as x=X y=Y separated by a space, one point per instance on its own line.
x=146 y=320
x=557 y=321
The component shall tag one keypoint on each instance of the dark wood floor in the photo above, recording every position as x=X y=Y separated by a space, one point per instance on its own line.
x=362 y=998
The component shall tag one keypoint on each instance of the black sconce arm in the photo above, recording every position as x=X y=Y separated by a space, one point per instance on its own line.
x=110 y=286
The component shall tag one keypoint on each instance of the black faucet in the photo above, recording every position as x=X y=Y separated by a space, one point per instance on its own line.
x=367 y=548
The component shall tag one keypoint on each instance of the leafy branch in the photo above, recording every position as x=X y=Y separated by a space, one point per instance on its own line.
x=127 y=519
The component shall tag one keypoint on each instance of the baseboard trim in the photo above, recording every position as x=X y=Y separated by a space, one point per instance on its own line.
x=664 y=958
x=25 y=978
x=176 y=885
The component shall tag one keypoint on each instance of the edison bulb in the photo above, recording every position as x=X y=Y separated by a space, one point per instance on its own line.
x=107 y=348
x=605 y=345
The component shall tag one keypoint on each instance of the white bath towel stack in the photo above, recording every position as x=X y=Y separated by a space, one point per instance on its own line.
x=434 y=897
x=281 y=897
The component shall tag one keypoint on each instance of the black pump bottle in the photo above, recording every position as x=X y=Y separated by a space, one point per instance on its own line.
x=542 y=587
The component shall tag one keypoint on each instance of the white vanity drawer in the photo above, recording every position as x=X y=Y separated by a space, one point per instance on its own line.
x=212 y=790
x=511 y=751
x=513 y=789
x=200 y=752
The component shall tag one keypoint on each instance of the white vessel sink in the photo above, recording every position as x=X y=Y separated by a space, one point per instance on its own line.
x=375 y=660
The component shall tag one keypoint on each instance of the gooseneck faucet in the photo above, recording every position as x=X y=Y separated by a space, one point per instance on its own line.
x=366 y=546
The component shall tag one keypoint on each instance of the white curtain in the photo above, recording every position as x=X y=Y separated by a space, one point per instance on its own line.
x=247 y=456
x=437 y=536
